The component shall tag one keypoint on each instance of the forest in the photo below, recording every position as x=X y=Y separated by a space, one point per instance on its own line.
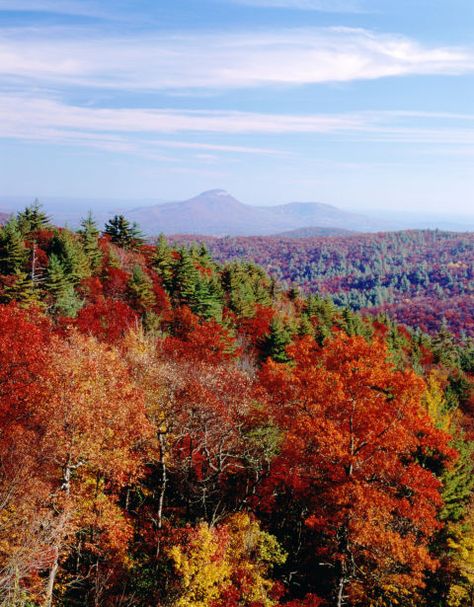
x=423 y=279
x=179 y=431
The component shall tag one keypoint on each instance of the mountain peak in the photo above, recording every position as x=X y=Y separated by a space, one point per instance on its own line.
x=216 y=192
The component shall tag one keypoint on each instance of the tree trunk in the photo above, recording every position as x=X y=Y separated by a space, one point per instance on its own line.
x=51 y=579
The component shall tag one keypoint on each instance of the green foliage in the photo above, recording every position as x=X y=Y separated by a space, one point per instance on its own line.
x=277 y=341
x=123 y=233
x=69 y=250
x=33 y=218
x=59 y=284
x=162 y=262
x=89 y=233
x=13 y=253
x=21 y=289
x=141 y=289
x=246 y=285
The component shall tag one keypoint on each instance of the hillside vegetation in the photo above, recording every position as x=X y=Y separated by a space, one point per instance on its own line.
x=422 y=278
x=178 y=432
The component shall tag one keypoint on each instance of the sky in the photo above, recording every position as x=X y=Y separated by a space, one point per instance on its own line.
x=365 y=104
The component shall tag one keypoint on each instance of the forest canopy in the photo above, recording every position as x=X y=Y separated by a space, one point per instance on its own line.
x=179 y=432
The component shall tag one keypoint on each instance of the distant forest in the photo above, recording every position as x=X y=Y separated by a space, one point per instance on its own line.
x=424 y=278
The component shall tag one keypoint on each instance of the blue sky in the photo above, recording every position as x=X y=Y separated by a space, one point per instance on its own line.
x=361 y=103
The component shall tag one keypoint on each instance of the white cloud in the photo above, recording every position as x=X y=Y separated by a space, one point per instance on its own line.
x=137 y=131
x=63 y=7
x=286 y=57
x=324 y=6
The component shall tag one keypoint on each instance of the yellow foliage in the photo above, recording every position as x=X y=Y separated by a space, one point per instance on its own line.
x=203 y=568
x=236 y=555
x=461 y=543
x=435 y=403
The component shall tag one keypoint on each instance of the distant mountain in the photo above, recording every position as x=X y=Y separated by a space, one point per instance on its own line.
x=314 y=232
x=4 y=216
x=216 y=212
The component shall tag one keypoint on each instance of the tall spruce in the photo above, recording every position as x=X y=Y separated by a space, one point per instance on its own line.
x=89 y=234
x=123 y=233
x=163 y=262
x=141 y=290
x=64 y=300
x=33 y=218
x=277 y=341
x=20 y=289
x=68 y=248
x=13 y=253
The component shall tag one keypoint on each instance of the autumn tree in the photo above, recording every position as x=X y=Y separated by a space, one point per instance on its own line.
x=360 y=452
x=227 y=565
x=96 y=422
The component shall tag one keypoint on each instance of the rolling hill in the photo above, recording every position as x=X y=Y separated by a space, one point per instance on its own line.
x=218 y=213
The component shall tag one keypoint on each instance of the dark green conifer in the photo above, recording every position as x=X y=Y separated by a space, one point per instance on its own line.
x=163 y=262
x=208 y=297
x=68 y=248
x=21 y=289
x=141 y=289
x=13 y=253
x=277 y=341
x=89 y=233
x=185 y=279
x=123 y=233
x=33 y=218
x=58 y=283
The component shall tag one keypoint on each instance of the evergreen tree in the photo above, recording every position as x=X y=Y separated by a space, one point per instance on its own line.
x=123 y=233
x=59 y=285
x=246 y=285
x=66 y=246
x=208 y=297
x=277 y=341
x=163 y=262
x=13 y=253
x=21 y=289
x=141 y=290
x=33 y=218
x=185 y=279
x=57 y=281
x=89 y=233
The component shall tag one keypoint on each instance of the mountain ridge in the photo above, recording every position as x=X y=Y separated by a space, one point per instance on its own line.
x=218 y=213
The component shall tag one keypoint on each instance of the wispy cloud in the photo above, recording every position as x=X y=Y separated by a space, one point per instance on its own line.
x=84 y=8
x=137 y=131
x=324 y=6
x=287 y=57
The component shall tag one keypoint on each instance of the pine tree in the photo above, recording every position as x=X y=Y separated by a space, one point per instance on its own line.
x=33 y=218
x=21 y=290
x=59 y=285
x=185 y=279
x=246 y=285
x=13 y=253
x=277 y=341
x=57 y=281
x=208 y=298
x=163 y=262
x=89 y=233
x=123 y=233
x=68 y=249
x=141 y=290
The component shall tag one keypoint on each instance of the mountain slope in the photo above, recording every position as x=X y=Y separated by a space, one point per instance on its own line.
x=216 y=212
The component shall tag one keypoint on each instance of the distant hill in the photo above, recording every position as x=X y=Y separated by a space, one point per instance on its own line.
x=4 y=217
x=218 y=213
x=420 y=277
x=315 y=232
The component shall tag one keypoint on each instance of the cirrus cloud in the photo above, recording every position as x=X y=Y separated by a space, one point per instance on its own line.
x=218 y=61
